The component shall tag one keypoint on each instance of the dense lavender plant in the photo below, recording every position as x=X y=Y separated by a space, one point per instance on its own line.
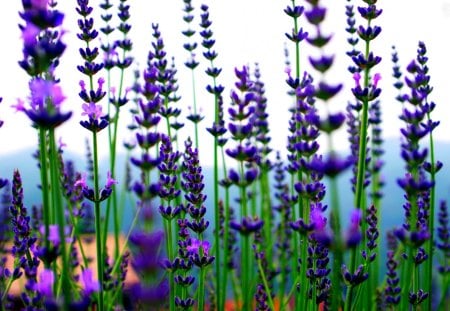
x=193 y=186
x=415 y=231
x=365 y=94
x=245 y=154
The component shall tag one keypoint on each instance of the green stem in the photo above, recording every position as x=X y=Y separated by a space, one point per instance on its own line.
x=201 y=289
x=361 y=169
x=113 y=150
x=170 y=252
x=59 y=207
x=8 y=286
x=283 y=264
x=216 y=200
x=98 y=227
x=296 y=249
x=245 y=255
x=194 y=99
x=266 y=285
x=266 y=211
x=226 y=207
x=336 y=290
x=45 y=187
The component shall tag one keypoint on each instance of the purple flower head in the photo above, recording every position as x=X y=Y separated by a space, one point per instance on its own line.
x=39 y=4
x=92 y=110
x=42 y=44
x=150 y=295
x=45 y=284
x=81 y=182
x=145 y=259
x=317 y=219
x=357 y=78
x=110 y=181
x=53 y=235
x=44 y=90
x=354 y=234
x=376 y=78
x=29 y=34
x=248 y=225
x=316 y=15
x=45 y=98
x=88 y=283
x=197 y=246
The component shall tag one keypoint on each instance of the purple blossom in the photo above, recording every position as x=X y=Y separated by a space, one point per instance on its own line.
x=81 y=182
x=93 y=111
x=30 y=33
x=45 y=99
x=354 y=234
x=110 y=181
x=53 y=235
x=197 y=246
x=89 y=285
x=45 y=284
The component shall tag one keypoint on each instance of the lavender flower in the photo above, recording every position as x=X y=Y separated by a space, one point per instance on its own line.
x=45 y=102
x=125 y=43
x=89 y=193
x=443 y=235
x=392 y=290
x=42 y=44
x=97 y=121
x=210 y=54
x=89 y=285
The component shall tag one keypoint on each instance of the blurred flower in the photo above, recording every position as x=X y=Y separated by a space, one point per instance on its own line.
x=45 y=284
x=89 y=285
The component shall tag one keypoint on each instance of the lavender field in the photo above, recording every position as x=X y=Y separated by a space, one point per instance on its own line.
x=252 y=155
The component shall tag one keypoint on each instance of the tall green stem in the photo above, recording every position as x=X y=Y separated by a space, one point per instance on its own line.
x=170 y=252
x=338 y=258
x=245 y=242
x=60 y=215
x=226 y=228
x=361 y=172
x=44 y=186
x=194 y=99
x=98 y=227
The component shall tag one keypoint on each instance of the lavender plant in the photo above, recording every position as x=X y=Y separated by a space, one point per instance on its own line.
x=251 y=222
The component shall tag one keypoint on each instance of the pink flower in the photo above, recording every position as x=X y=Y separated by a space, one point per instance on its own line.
x=81 y=182
x=88 y=283
x=29 y=34
x=288 y=70
x=39 y=4
x=20 y=106
x=53 y=235
x=100 y=82
x=109 y=180
x=376 y=79
x=82 y=85
x=357 y=78
x=41 y=90
x=194 y=247
x=92 y=110
x=355 y=218
x=317 y=219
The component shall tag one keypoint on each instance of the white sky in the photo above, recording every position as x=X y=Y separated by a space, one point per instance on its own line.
x=246 y=31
